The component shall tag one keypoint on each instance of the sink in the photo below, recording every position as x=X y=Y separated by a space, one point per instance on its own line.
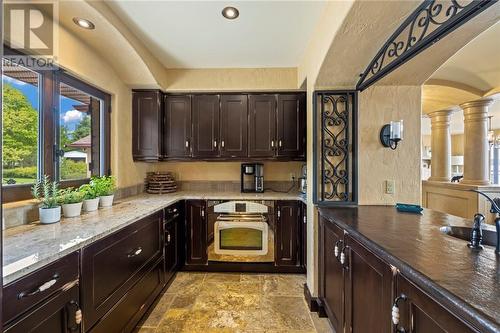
x=489 y=236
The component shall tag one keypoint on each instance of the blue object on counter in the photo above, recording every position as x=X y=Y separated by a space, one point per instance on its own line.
x=408 y=208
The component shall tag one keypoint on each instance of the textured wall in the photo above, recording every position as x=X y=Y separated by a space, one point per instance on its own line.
x=227 y=171
x=379 y=105
x=231 y=79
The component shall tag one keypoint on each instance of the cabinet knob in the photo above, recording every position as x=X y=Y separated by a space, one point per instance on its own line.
x=222 y=143
x=395 y=315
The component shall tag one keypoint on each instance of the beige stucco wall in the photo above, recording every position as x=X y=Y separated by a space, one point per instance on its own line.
x=378 y=105
x=85 y=64
x=227 y=171
x=217 y=79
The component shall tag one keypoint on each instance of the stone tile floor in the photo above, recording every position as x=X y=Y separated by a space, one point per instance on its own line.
x=226 y=302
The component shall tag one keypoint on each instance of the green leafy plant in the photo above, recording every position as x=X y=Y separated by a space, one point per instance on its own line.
x=88 y=191
x=70 y=196
x=104 y=185
x=46 y=192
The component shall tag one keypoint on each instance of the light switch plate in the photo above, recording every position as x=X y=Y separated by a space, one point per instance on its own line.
x=389 y=187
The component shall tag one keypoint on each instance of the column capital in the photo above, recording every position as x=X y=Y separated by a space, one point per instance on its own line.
x=480 y=103
x=442 y=113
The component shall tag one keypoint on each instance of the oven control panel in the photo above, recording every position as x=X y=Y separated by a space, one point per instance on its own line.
x=241 y=207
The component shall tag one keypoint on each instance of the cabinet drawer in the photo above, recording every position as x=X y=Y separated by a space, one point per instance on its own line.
x=112 y=265
x=125 y=315
x=21 y=295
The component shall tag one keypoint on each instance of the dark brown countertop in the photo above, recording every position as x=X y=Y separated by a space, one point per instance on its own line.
x=464 y=281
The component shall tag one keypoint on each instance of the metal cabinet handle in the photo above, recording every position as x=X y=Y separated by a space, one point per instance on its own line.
x=222 y=143
x=305 y=219
x=44 y=286
x=280 y=143
x=202 y=213
x=215 y=143
x=272 y=143
x=187 y=143
x=168 y=237
x=395 y=315
x=77 y=319
x=135 y=253
x=336 y=249
x=342 y=257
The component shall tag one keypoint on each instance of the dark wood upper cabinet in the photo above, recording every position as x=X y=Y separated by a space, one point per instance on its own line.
x=419 y=313
x=147 y=124
x=233 y=125
x=177 y=125
x=196 y=232
x=287 y=236
x=262 y=125
x=368 y=291
x=331 y=273
x=206 y=111
x=291 y=125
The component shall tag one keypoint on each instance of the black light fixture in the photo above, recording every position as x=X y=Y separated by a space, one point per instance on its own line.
x=230 y=13
x=391 y=134
x=84 y=23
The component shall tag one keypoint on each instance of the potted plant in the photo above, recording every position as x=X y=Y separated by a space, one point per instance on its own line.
x=71 y=201
x=46 y=192
x=105 y=187
x=90 y=197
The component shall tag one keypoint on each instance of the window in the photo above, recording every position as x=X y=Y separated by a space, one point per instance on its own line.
x=53 y=124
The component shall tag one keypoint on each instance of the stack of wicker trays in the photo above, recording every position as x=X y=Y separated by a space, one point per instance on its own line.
x=160 y=183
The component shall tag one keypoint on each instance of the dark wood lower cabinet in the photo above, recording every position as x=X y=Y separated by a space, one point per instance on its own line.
x=303 y=245
x=421 y=314
x=56 y=315
x=287 y=233
x=196 y=232
x=368 y=290
x=331 y=273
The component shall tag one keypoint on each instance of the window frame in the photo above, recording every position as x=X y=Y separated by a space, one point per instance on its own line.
x=48 y=132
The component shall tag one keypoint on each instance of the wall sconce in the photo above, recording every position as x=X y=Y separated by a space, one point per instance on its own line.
x=391 y=134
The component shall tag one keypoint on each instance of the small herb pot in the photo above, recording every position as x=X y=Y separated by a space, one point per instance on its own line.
x=50 y=215
x=107 y=200
x=90 y=205
x=72 y=210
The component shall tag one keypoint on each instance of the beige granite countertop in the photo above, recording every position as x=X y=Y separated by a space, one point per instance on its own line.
x=30 y=247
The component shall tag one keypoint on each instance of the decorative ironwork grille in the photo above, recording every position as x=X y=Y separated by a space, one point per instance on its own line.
x=431 y=21
x=334 y=146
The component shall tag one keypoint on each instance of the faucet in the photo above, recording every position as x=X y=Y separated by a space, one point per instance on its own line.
x=495 y=209
x=476 y=235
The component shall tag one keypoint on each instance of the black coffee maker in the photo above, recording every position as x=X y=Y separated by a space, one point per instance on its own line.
x=252 y=177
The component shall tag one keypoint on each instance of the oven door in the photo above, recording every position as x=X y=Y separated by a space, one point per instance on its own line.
x=241 y=238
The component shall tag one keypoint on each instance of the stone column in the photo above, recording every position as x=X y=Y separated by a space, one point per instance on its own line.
x=441 y=145
x=476 y=159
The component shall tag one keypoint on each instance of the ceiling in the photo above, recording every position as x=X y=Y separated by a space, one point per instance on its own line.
x=194 y=34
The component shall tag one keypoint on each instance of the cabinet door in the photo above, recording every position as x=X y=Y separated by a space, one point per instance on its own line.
x=262 y=126
x=146 y=124
x=287 y=233
x=171 y=248
x=206 y=126
x=233 y=131
x=57 y=315
x=196 y=232
x=177 y=124
x=291 y=125
x=368 y=289
x=331 y=271
x=421 y=314
x=303 y=245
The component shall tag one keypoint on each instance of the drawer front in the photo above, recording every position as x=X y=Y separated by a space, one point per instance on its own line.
x=129 y=310
x=112 y=265
x=56 y=315
x=21 y=295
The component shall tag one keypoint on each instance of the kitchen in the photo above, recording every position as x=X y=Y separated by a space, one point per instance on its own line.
x=251 y=186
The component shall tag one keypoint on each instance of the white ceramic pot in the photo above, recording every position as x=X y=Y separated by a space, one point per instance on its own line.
x=90 y=205
x=107 y=200
x=72 y=210
x=49 y=215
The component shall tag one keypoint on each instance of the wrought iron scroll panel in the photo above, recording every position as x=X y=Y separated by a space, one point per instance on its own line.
x=431 y=21
x=335 y=148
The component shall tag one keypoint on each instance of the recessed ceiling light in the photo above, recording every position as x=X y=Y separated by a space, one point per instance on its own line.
x=83 y=23
x=230 y=13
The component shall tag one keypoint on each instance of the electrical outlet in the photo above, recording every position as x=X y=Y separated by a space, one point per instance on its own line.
x=390 y=187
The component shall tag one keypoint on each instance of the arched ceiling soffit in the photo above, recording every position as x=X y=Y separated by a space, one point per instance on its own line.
x=422 y=67
x=364 y=30
x=440 y=97
x=108 y=42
